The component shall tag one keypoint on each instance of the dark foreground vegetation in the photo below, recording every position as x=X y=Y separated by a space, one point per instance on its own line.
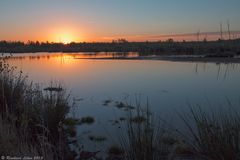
x=33 y=122
x=31 y=119
x=207 y=136
x=220 y=48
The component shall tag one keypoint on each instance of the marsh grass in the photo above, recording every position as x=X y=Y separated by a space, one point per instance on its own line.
x=31 y=119
x=11 y=144
x=87 y=120
x=146 y=137
x=98 y=139
x=215 y=135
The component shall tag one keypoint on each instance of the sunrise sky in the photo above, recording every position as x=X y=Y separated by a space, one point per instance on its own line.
x=104 y=20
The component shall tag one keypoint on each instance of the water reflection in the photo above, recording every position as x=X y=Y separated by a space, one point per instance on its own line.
x=223 y=70
x=105 y=79
x=169 y=85
x=85 y=55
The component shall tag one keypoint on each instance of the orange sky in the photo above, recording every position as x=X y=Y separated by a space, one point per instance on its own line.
x=105 y=20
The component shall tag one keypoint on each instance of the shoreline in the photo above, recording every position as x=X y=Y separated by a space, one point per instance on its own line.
x=175 y=59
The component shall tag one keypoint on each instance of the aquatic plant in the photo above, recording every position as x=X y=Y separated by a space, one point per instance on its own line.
x=145 y=137
x=97 y=138
x=87 y=120
x=122 y=119
x=71 y=121
x=107 y=102
x=126 y=107
x=214 y=135
x=138 y=119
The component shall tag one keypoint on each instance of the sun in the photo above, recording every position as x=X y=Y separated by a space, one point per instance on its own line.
x=66 y=38
x=65 y=35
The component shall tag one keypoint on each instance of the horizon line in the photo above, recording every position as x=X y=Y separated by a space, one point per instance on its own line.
x=150 y=38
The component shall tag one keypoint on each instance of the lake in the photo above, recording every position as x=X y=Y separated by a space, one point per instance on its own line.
x=168 y=87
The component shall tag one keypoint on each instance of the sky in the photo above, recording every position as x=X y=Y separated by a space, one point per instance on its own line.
x=105 y=20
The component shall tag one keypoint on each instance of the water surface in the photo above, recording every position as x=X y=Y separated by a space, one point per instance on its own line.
x=169 y=86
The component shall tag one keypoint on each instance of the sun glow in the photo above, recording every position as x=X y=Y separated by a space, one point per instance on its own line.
x=66 y=38
x=65 y=35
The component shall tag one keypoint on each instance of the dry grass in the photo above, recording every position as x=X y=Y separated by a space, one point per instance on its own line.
x=214 y=136
x=31 y=119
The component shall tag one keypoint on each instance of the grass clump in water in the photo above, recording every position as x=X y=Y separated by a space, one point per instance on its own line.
x=87 y=120
x=72 y=122
x=107 y=102
x=97 y=138
x=145 y=137
x=126 y=107
x=138 y=119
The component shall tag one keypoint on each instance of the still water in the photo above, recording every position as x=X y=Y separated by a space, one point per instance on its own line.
x=170 y=87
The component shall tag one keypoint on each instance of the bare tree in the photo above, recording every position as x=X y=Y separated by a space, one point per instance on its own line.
x=221 y=30
x=198 y=35
x=229 y=32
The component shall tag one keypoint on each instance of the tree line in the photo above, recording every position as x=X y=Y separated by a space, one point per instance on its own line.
x=122 y=45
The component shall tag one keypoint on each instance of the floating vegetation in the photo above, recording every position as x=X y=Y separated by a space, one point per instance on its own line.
x=122 y=119
x=97 y=138
x=138 y=119
x=114 y=122
x=87 y=120
x=72 y=121
x=53 y=89
x=126 y=107
x=107 y=102
x=120 y=105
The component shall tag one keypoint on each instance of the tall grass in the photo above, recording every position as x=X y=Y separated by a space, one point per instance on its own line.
x=210 y=135
x=146 y=137
x=215 y=135
x=11 y=144
x=31 y=119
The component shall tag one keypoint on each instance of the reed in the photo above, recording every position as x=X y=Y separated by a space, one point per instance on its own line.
x=146 y=137
x=31 y=118
x=214 y=135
